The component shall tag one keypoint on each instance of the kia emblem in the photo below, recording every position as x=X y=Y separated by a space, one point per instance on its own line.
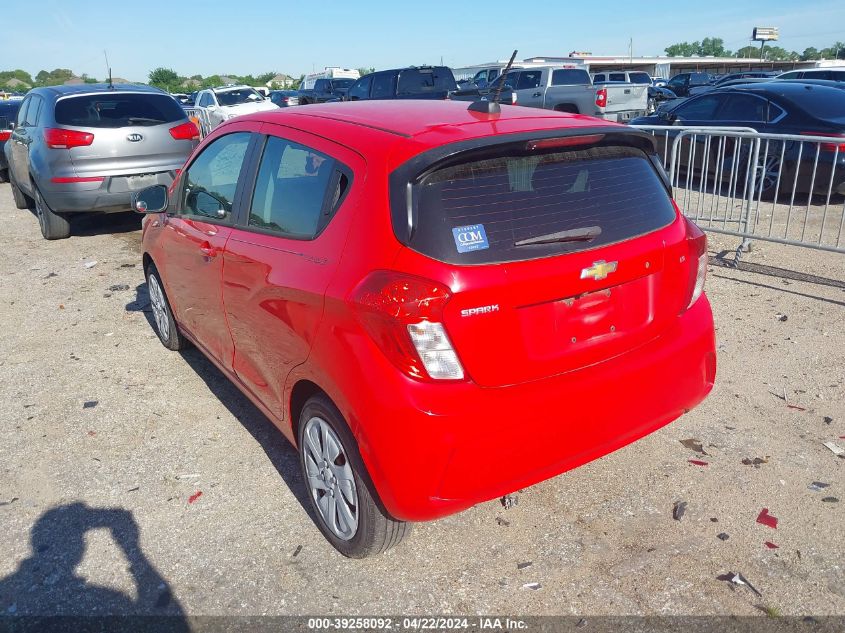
x=134 y=138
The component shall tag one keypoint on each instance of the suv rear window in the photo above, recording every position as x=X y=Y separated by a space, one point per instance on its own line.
x=416 y=81
x=477 y=212
x=113 y=110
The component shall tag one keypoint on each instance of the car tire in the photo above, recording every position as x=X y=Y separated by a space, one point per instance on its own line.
x=164 y=323
x=350 y=518
x=22 y=201
x=54 y=226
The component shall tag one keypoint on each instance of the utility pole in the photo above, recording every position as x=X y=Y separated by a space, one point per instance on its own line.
x=762 y=44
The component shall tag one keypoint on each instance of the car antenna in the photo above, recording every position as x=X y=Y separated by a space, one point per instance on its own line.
x=493 y=107
x=108 y=67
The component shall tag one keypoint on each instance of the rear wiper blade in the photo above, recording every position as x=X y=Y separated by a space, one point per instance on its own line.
x=143 y=119
x=574 y=235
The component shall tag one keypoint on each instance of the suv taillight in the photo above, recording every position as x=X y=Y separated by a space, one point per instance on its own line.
x=403 y=314
x=5 y=135
x=57 y=138
x=187 y=131
x=697 y=261
x=601 y=97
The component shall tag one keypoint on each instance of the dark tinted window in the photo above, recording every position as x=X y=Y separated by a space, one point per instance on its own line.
x=596 y=78
x=34 y=114
x=21 y=122
x=613 y=192
x=511 y=78
x=422 y=80
x=112 y=110
x=572 y=77
x=820 y=101
x=743 y=108
x=699 y=79
x=361 y=88
x=618 y=77
x=342 y=83
x=321 y=84
x=529 y=79
x=382 y=85
x=8 y=113
x=639 y=78
x=700 y=109
x=791 y=75
x=292 y=191
x=212 y=179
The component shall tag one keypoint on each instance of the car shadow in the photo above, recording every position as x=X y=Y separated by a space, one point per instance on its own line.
x=46 y=583
x=279 y=451
x=91 y=224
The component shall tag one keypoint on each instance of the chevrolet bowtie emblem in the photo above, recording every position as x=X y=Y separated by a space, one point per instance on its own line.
x=599 y=270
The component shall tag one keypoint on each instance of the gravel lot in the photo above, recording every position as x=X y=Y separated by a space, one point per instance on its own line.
x=99 y=505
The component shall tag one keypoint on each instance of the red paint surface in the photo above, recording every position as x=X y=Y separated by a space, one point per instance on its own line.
x=771 y=545
x=195 y=496
x=273 y=312
x=767 y=519
x=697 y=462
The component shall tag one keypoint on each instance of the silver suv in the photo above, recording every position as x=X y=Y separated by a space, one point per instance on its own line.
x=88 y=148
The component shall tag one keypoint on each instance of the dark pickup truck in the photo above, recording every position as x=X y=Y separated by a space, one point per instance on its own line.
x=416 y=82
x=325 y=90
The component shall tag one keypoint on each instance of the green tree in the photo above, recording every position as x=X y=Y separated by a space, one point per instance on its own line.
x=366 y=71
x=810 y=53
x=683 y=49
x=20 y=75
x=778 y=54
x=165 y=78
x=212 y=81
x=54 y=77
x=263 y=78
x=835 y=51
x=749 y=52
x=714 y=46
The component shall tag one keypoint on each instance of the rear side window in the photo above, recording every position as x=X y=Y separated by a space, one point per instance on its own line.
x=529 y=79
x=572 y=77
x=114 y=110
x=484 y=211
x=297 y=189
x=361 y=88
x=382 y=86
x=617 y=77
x=422 y=80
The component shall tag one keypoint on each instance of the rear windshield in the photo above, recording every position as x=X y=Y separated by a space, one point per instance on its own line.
x=484 y=211
x=829 y=108
x=416 y=81
x=570 y=77
x=639 y=78
x=342 y=83
x=118 y=110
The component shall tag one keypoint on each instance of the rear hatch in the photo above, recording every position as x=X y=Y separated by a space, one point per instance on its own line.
x=624 y=97
x=132 y=135
x=557 y=257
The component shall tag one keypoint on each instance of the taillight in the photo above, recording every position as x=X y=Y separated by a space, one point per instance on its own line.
x=697 y=261
x=828 y=147
x=187 y=131
x=57 y=138
x=5 y=135
x=601 y=97
x=403 y=314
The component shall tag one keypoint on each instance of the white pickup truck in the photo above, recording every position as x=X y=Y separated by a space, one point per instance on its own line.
x=571 y=90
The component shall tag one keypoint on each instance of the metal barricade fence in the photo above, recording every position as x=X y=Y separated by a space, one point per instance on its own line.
x=200 y=117
x=783 y=188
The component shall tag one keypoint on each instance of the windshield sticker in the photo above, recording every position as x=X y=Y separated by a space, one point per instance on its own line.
x=470 y=238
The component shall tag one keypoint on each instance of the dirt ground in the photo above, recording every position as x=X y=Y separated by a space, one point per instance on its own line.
x=107 y=440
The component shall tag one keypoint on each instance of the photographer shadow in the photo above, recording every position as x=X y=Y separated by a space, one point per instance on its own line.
x=47 y=583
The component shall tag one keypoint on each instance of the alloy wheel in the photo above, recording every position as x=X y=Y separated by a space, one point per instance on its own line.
x=330 y=478
x=159 y=308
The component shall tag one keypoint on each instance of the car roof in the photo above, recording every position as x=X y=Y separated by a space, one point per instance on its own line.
x=61 y=91
x=791 y=89
x=231 y=88
x=414 y=126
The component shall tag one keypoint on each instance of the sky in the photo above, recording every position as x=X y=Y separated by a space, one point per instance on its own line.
x=245 y=36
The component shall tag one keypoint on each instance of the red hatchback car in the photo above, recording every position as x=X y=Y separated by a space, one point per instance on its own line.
x=437 y=306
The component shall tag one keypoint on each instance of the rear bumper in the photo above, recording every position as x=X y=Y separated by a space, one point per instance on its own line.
x=622 y=117
x=111 y=195
x=436 y=449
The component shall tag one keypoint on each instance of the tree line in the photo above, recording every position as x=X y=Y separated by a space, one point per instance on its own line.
x=715 y=46
x=165 y=78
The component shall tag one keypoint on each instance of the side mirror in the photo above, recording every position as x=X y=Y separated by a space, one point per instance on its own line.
x=151 y=200
x=11 y=125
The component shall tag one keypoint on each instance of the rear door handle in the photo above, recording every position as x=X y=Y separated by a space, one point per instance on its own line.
x=208 y=250
x=537 y=94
